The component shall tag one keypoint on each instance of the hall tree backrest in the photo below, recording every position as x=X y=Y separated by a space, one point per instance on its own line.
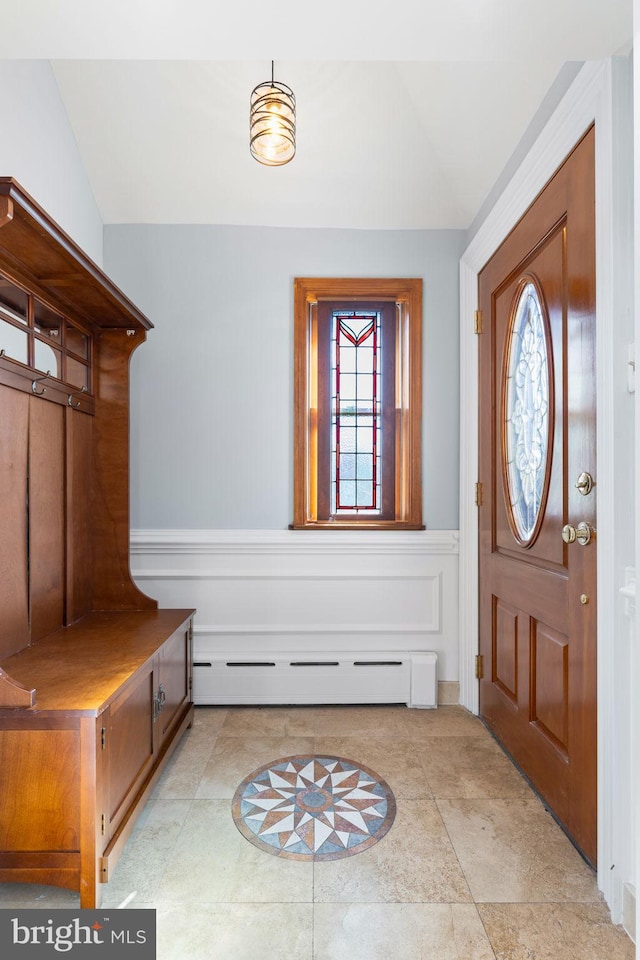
x=64 y=495
x=32 y=480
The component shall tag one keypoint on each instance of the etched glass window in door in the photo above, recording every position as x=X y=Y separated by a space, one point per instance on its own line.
x=355 y=420
x=526 y=412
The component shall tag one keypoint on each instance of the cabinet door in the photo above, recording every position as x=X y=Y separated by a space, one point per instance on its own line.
x=175 y=678
x=129 y=734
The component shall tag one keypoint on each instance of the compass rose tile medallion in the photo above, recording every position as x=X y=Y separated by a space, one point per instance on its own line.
x=313 y=808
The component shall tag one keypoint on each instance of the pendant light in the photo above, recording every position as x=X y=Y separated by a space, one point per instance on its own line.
x=273 y=123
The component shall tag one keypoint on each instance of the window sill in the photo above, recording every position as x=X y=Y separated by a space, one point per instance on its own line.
x=356 y=525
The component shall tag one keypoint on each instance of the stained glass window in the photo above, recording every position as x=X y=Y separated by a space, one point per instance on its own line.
x=355 y=412
x=357 y=458
x=526 y=412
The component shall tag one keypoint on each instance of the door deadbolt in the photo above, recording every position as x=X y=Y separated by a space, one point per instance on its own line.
x=585 y=484
x=568 y=533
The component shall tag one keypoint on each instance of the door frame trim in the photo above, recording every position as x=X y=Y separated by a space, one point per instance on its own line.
x=588 y=99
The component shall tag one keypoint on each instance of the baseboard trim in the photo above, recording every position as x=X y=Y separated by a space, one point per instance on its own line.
x=629 y=909
x=448 y=692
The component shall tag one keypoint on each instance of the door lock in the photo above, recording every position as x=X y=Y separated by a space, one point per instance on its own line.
x=568 y=533
x=585 y=484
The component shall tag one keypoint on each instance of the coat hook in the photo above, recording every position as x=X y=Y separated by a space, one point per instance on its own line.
x=34 y=384
x=70 y=398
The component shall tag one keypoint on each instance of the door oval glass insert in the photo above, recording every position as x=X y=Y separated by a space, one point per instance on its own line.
x=526 y=412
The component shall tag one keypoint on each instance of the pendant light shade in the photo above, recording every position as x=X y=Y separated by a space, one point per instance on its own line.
x=273 y=123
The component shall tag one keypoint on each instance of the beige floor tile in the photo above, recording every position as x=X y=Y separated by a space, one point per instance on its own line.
x=393 y=760
x=413 y=863
x=340 y=721
x=182 y=775
x=399 y=931
x=234 y=931
x=445 y=721
x=268 y=722
x=32 y=896
x=184 y=771
x=552 y=931
x=514 y=851
x=147 y=853
x=234 y=758
x=375 y=723
x=209 y=719
x=469 y=767
x=212 y=862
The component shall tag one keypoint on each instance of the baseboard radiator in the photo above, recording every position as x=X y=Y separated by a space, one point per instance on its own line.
x=406 y=677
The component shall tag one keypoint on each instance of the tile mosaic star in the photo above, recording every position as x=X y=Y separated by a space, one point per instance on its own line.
x=313 y=808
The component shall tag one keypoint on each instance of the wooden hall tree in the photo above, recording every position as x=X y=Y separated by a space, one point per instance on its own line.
x=95 y=681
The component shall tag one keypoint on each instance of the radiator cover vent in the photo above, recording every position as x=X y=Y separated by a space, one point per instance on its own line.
x=324 y=678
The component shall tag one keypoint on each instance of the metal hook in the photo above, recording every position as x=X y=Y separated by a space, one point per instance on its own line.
x=70 y=398
x=34 y=384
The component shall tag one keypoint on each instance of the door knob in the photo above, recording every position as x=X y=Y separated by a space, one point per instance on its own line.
x=584 y=534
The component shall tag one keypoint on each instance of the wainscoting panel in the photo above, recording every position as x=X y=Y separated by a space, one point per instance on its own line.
x=374 y=603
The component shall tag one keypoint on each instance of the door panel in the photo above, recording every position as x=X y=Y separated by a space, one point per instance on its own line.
x=505 y=648
x=14 y=600
x=79 y=510
x=550 y=684
x=537 y=434
x=46 y=517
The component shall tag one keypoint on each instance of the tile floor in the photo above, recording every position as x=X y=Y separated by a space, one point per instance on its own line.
x=473 y=868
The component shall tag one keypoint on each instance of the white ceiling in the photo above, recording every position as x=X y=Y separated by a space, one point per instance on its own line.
x=407 y=111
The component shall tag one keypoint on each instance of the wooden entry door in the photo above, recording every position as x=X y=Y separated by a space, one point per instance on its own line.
x=537 y=462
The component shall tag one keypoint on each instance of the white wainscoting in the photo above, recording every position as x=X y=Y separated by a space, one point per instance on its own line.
x=276 y=596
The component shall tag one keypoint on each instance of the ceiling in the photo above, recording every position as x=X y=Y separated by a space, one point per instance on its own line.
x=407 y=111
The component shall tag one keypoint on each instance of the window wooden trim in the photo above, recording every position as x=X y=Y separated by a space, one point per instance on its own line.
x=408 y=460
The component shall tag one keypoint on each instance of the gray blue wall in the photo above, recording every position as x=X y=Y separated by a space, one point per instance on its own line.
x=38 y=148
x=212 y=389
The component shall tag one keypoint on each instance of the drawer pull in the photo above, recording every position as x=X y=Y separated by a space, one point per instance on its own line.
x=158 y=704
